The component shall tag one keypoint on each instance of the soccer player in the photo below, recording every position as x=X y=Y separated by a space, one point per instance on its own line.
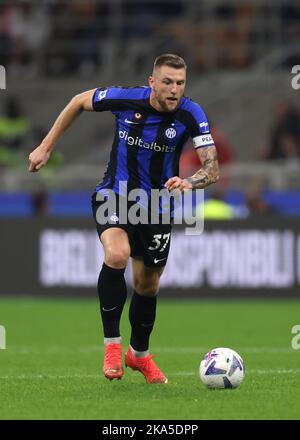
x=152 y=125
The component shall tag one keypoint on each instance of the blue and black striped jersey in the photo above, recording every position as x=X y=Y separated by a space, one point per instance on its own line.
x=147 y=143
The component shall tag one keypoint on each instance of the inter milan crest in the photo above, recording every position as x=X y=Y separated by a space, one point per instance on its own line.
x=170 y=133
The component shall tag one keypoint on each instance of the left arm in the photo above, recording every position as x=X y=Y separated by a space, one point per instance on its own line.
x=206 y=175
x=209 y=173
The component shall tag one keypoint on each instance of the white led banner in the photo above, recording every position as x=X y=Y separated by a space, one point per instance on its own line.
x=234 y=258
x=216 y=259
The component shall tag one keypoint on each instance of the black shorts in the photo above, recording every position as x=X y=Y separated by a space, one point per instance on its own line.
x=148 y=241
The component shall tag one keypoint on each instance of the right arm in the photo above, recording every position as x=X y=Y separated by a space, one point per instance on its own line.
x=40 y=156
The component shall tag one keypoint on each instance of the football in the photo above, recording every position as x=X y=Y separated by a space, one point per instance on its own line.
x=222 y=368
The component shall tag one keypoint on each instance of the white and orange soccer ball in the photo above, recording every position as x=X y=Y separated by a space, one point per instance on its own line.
x=222 y=368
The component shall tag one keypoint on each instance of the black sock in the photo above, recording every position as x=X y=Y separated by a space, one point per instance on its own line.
x=142 y=313
x=112 y=295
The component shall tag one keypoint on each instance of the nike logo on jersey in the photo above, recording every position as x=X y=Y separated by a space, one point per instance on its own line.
x=108 y=310
x=131 y=122
x=157 y=261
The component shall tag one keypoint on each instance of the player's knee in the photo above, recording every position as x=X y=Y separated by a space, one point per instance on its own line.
x=148 y=286
x=117 y=257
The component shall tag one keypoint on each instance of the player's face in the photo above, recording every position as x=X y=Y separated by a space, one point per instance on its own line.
x=168 y=86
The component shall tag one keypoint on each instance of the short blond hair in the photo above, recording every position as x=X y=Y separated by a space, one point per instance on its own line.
x=171 y=60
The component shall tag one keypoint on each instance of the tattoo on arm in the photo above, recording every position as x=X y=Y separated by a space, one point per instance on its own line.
x=209 y=173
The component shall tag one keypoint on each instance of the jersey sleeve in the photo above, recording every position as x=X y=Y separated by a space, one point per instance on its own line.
x=104 y=99
x=116 y=98
x=199 y=127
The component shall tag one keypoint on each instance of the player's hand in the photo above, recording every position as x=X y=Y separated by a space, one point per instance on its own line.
x=38 y=158
x=177 y=183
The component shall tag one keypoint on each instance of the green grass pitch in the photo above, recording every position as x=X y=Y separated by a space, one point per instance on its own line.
x=51 y=368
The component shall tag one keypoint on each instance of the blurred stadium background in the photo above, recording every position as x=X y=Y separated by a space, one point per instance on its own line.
x=240 y=57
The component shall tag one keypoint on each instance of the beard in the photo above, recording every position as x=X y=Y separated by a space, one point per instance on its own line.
x=164 y=104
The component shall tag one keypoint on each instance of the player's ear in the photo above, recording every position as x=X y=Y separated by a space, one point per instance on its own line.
x=151 y=81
